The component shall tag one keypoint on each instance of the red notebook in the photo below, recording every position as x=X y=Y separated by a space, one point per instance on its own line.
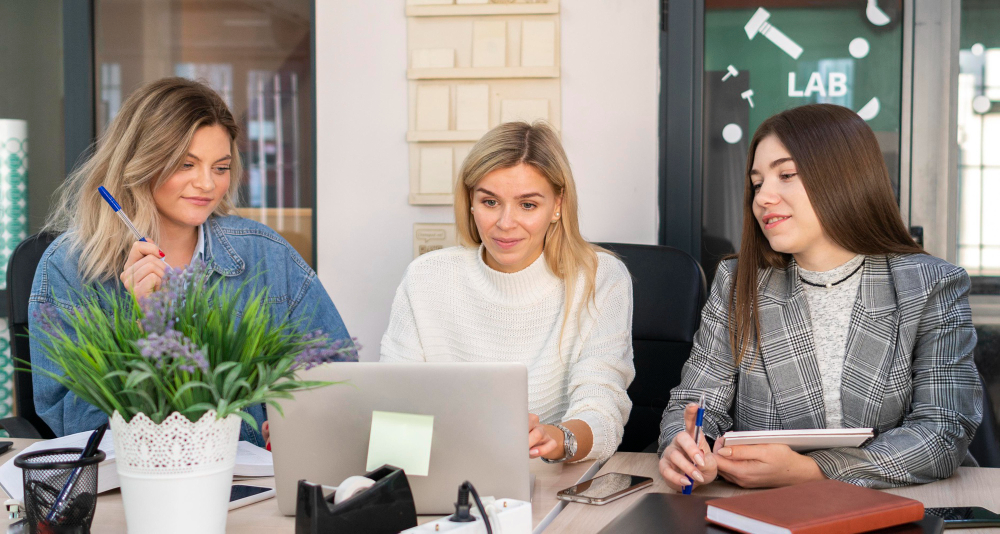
x=827 y=506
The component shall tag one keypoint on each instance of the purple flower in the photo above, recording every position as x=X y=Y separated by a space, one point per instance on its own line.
x=160 y=307
x=317 y=349
x=172 y=347
x=47 y=317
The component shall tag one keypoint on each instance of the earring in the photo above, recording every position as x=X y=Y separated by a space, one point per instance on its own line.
x=472 y=208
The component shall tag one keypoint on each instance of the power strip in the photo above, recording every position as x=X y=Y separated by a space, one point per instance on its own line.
x=507 y=516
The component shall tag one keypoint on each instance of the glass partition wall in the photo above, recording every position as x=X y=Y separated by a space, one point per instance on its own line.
x=761 y=57
x=979 y=137
x=257 y=55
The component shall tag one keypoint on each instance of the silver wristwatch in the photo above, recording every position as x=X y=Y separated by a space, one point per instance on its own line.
x=569 y=445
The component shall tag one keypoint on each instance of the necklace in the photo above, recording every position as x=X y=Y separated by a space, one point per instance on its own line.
x=838 y=282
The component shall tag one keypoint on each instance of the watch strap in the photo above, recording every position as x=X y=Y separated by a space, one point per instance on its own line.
x=569 y=445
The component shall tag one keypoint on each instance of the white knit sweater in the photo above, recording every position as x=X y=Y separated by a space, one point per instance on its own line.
x=452 y=307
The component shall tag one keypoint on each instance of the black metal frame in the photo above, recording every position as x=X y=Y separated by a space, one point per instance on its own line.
x=79 y=109
x=682 y=46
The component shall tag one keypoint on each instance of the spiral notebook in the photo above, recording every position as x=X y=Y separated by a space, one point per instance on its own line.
x=802 y=440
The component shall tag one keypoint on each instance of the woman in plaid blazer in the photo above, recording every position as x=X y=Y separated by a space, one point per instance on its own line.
x=817 y=196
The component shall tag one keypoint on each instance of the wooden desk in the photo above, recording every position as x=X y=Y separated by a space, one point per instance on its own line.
x=264 y=516
x=969 y=486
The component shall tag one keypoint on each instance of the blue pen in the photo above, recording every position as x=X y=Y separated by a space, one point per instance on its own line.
x=697 y=436
x=92 y=445
x=121 y=215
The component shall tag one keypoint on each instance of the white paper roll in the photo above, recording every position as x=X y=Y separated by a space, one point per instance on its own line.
x=350 y=486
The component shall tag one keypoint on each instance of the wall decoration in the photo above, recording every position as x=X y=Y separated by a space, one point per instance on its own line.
x=473 y=65
x=429 y=237
x=827 y=51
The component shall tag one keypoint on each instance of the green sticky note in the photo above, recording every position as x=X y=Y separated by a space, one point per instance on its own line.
x=402 y=440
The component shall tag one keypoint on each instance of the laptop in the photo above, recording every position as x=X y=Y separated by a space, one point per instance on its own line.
x=480 y=428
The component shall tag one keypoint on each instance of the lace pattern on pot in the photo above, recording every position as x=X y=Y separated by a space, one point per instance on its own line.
x=176 y=446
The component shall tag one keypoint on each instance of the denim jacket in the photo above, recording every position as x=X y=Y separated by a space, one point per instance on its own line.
x=234 y=247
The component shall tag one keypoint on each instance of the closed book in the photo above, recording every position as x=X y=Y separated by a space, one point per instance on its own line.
x=827 y=506
x=671 y=513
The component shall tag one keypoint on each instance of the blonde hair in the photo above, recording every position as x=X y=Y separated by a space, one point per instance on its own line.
x=509 y=145
x=146 y=143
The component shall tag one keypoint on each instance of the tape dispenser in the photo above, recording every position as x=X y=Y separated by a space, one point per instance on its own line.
x=380 y=502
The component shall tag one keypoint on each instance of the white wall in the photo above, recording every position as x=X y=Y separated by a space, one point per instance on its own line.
x=610 y=94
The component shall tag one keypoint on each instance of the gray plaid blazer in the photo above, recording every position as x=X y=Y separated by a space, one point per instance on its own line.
x=908 y=370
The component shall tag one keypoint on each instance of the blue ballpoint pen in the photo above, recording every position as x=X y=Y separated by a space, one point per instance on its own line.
x=92 y=445
x=121 y=214
x=697 y=436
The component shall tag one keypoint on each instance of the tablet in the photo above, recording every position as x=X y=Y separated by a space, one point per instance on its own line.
x=802 y=440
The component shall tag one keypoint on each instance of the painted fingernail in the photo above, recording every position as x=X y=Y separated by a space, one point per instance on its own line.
x=698 y=476
x=699 y=459
x=726 y=451
x=162 y=255
x=269 y=445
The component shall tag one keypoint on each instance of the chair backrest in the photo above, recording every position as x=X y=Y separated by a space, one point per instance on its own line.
x=985 y=446
x=668 y=291
x=20 y=274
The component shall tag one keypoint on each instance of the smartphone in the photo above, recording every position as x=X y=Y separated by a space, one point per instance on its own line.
x=5 y=446
x=242 y=495
x=605 y=488
x=965 y=516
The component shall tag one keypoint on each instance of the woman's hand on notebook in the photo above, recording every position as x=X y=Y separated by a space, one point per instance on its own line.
x=765 y=466
x=144 y=270
x=684 y=458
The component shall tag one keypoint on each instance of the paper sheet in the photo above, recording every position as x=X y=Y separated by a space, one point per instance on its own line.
x=433 y=103
x=524 y=110
x=473 y=107
x=489 y=43
x=433 y=58
x=436 y=170
x=538 y=43
x=402 y=440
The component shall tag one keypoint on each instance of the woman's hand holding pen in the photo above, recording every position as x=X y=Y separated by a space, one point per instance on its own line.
x=144 y=269
x=684 y=458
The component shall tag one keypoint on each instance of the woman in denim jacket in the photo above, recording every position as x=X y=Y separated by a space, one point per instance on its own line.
x=170 y=159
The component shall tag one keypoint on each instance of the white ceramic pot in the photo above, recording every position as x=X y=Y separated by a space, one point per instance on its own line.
x=176 y=476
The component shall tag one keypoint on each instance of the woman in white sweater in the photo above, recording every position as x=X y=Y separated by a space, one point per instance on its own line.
x=526 y=287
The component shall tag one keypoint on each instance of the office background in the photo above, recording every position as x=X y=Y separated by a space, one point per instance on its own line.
x=321 y=89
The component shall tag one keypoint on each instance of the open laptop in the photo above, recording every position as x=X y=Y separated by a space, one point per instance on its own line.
x=480 y=428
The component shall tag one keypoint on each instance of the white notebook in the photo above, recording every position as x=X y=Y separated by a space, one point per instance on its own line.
x=251 y=461
x=802 y=440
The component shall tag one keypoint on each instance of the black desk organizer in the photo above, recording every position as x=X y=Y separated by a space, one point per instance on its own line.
x=385 y=508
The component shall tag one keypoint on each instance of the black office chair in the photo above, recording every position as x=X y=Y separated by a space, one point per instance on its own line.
x=20 y=274
x=668 y=291
x=985 y=446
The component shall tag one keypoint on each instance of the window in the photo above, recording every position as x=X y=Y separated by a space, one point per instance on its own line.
x=257 y=55
x=979 y=138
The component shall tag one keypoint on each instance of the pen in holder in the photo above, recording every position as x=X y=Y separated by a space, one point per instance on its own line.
x=384 y=508
x=46 y=474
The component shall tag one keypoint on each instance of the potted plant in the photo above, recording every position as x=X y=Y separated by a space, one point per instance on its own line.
x=173 y=371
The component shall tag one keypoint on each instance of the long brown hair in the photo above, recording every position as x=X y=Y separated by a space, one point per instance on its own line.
x=840 y=164
x=145 y=144
x=567 y=253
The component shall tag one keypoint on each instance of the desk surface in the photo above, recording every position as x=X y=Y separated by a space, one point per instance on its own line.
x=265 y=517
x=969 y=486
